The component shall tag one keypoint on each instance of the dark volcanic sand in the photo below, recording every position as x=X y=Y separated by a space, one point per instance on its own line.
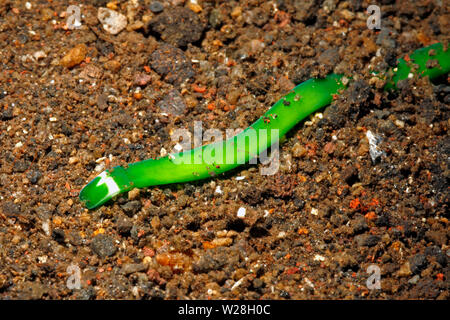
x=310 y=231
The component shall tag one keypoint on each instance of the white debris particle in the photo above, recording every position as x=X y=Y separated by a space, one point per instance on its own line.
x=53 y=119
x=240 y=178
x=28 y=5
x=38 y=55
x=314 y=211
x=237 y=284
x=163 y=152
x=178 y=147
x=281 y=235
x=126 y=140
x=100 y=159
x=241 y=212
x=318 y=257
x=113 y=22
x=100 y=167
x=18 y=145
x=410 y=75
x=373 y=146
x=135 y=291
x=399 y=123
x=46 y=227
x=218 y=190
x=309 y=283
x=345 y=81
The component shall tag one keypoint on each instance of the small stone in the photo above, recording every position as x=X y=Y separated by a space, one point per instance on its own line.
x=329 y=147
x=156 y=7
x=172 y=103
x=46 y=14
x=367 y=240
x=414 y=279
x=112 y=21
x=241 y=212
x=360 y=226
x=75 y=56
x=156 y=223
x=134 y=193
x=178 y=26
x=345 y=260
x=257 y=283
x=298 y=151
x=399 y=124
x=142 y=79
x=172 y=64
x=347 y=15
x=112 y=65
x=132 y=207
x=418 y=263
x=35 y=290
x=133 y=267
x=103 y=246
x=299 y=203
x=236 y=12
x=404 y=270
x=124 y=225
x=208 y=263
x=194 y=6
x=10 y=208
x=73 y=160
x=215 y=18
x=34 y=176
x=222 y=242
x=58 y=235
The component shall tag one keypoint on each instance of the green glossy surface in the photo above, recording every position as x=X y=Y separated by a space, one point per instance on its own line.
x=198 y=163
x=417 y=64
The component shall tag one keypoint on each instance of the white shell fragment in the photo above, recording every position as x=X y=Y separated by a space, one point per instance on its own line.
x=374 y=152
x=241 y=212
x=112 y=21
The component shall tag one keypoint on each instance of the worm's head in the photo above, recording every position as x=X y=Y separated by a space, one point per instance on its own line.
x=105 y=186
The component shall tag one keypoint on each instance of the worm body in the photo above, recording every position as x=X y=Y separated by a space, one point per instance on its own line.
x=221 y=156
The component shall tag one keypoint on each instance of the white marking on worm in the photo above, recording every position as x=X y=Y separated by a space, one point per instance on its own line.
x=112 y=186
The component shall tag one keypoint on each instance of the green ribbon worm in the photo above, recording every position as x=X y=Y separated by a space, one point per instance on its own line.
x=221 y=156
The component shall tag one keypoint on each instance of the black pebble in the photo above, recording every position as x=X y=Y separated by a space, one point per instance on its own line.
x=132 y=207
x=103 y=246
x=34 y=176
x=58 y=235
x=418 y=263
